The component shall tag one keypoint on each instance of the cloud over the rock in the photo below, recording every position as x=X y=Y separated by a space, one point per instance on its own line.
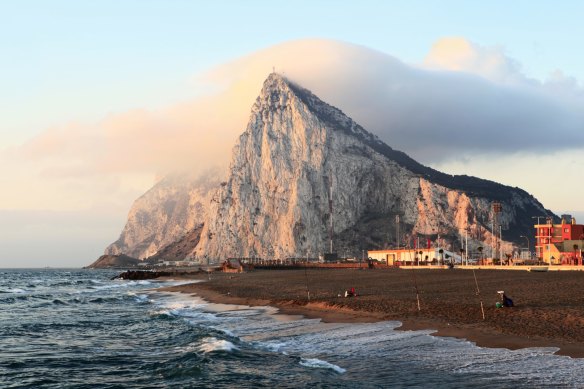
x=472 y=100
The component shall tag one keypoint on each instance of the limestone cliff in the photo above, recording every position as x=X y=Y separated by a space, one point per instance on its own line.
x=274 y=202
x=114 y=261
x=174 y=207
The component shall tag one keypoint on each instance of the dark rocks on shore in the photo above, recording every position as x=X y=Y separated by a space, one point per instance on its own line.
x=142 y=275
x=152 y=274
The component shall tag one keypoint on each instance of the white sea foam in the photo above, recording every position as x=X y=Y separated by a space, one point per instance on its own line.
x=273 y=347
x=176 y=304
x=177 y=283
x=213 y=344
x=98 y=285
x=191 y=309
x=320 y=364
x=15 y=290
x=141 y=298
x=316 y=342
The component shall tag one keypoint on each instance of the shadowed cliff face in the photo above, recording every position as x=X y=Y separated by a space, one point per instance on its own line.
x=295 y=151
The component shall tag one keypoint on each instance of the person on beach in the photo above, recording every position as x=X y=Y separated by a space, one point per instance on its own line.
x=505 y=301
x=350 y=293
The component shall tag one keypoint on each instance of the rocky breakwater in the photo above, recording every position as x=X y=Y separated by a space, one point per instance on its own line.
x=142 y=275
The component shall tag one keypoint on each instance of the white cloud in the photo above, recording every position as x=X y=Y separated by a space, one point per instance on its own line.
x=460 y=55
x=429 y=114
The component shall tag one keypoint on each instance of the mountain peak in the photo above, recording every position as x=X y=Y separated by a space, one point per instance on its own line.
x=275 y=79
x=275 y=201
x=275 y=84
x=277 y=91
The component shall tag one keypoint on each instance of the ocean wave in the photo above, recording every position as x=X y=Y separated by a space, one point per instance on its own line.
x=191 y=316
x=172 y=307
x=273 y=347
x=102 y=300
x=320 y=364
x=197 y=318
x=62 y=283
x=116 y=284
x=213 y=344
x=13 y=290
x=224 y=331
x=140 y=298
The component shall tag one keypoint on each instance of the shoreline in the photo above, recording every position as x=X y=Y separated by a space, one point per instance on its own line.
x=224 y=290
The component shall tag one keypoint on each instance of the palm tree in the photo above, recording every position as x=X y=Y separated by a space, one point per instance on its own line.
x=508 y=259
x=461 y=254
x=447 y=258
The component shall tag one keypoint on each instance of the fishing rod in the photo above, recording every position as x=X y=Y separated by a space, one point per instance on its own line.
x=414 y=278
x=478 y=292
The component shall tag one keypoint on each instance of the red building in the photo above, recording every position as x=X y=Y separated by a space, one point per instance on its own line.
x=560 y=244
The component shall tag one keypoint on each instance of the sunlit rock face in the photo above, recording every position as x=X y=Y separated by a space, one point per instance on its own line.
x=296 y=154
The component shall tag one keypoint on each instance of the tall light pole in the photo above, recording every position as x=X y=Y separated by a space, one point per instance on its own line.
x=538 y=217
x=526 y=238
x=397 y=230
x=550 y=243
x=331 y=212
x=538 y=239
x=466 y=245
x=500 y=242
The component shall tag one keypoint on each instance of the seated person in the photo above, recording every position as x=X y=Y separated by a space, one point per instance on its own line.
x=505 y=301
x=350 y=293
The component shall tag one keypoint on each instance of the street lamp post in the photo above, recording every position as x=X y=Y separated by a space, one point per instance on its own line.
x=537 y=217
x=538 y=240
x=528 y=250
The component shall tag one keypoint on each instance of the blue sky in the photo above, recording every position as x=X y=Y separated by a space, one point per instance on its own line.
x=70 y=64
x=61 y=58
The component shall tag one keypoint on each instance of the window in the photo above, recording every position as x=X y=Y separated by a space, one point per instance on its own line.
x=566 y=230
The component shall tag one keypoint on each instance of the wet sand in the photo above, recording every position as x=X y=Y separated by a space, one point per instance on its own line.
x=548 y=312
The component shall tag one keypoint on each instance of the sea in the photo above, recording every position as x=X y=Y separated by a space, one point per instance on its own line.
x=73 y=328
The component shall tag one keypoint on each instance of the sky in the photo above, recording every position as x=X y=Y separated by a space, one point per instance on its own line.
x=98 y=100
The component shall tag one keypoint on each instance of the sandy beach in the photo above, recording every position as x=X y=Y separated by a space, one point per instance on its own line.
x=548 y=311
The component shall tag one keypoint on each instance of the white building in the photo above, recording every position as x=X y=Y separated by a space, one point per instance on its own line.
x=396 y=257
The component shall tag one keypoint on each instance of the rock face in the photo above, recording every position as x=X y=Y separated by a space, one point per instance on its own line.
x=174 y=207
x=295 y=152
